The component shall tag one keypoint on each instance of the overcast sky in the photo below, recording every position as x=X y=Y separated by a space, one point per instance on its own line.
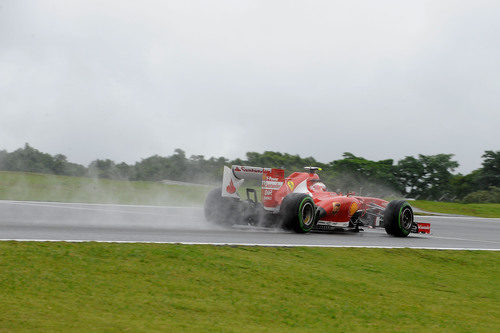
x=128 y=79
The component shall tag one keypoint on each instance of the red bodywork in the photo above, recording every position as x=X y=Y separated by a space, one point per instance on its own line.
x=338 y=207
x=334 y=209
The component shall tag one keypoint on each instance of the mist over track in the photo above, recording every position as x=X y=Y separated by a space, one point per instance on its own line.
x=28 y=220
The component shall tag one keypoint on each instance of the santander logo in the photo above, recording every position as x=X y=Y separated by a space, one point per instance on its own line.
x=230 y=188
x=250 y=169
x=237 y=169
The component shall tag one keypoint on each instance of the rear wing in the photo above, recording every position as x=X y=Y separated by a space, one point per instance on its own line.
x=272 y=180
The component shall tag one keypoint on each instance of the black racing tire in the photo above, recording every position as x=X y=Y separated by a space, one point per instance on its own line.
x=298 y=212
x=218 y=209
x=398 y=218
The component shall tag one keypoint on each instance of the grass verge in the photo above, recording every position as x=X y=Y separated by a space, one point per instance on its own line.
x=143 y=287
x=41 y=187
x=479 y=210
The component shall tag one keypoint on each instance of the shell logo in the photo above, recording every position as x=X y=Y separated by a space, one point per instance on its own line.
x=353 y=209
x=336 y=207
x=291 y=185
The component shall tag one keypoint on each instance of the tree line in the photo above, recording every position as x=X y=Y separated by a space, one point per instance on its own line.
x=428 y=177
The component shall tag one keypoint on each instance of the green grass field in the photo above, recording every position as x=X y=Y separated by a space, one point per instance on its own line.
x=154 y=287
x=480 y=210
x=40 y=187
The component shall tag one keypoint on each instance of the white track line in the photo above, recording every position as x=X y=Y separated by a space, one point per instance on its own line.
x=253 y=244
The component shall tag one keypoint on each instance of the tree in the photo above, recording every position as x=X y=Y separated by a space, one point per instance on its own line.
x=489 y=174
x=125 y=171
x=410 y=172
x=490 y=196
x=3 y=157
x=365 y=176
x=178 y=165
x=103 y=169
x=428 y=176
x=462 y=185
x=28 y=159
x=59 y=164
x=152 y=168
x=271 y=159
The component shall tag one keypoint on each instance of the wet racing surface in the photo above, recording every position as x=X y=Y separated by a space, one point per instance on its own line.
x=23 y=220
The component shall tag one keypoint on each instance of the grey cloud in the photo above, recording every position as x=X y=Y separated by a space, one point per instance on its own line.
x=126 y=80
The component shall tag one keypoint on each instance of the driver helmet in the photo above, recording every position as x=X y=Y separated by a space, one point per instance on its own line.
x=319 y=187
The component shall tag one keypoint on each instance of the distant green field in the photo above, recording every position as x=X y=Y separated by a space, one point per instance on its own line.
x=480 y=210
x=155 y=287
x=40 y=187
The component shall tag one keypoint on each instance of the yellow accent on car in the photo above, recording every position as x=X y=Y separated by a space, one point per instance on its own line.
x=291 y=185
x=353 y=209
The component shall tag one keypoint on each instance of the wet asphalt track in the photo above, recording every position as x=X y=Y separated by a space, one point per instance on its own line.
x=21 y=220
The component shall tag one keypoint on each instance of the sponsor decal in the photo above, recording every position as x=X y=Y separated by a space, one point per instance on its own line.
x=248 y=169
x=291 y=185
x=230 y=188
x=424 y=228
x=353 y=209
x=268 y=185
x=336 y=207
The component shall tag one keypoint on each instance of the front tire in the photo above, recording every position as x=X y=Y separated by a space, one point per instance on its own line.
x=398 y=218
x=298 y=212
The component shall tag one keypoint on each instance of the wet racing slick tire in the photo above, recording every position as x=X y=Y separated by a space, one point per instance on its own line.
x=398 y=218
x=298 y=212
x=220 y=210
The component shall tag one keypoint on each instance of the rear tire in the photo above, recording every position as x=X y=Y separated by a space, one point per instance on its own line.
x=298 y=212
x=398 y=218
x=219 y=209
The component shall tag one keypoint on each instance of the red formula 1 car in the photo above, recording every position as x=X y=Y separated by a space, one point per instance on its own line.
x=301 y=202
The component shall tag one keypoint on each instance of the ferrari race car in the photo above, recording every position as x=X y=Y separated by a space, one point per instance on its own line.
x=301 y=202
